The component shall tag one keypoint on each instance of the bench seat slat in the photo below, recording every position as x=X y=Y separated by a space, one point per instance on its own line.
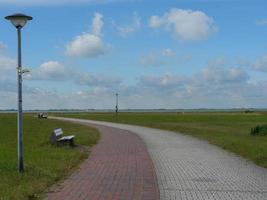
x=66 y=137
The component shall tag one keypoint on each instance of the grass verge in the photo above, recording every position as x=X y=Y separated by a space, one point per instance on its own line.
x=230 y=131
x=44 y=163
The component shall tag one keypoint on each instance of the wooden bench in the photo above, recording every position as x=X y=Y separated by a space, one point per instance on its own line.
x=58 y=138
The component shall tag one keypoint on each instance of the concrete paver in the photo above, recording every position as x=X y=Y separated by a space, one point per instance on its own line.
x=191 y=169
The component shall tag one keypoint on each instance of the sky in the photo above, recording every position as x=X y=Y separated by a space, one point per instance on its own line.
x=170 y=54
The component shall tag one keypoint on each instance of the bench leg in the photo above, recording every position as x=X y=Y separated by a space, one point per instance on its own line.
x=64 y=142
x=72 y=142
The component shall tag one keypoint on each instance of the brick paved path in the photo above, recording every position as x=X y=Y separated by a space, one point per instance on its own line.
x=119 y=168
x=191 y=169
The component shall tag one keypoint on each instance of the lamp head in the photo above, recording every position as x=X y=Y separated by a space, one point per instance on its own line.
x=18 y=20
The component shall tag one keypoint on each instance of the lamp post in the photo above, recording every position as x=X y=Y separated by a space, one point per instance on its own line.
x=19 y=21
x=117 y=108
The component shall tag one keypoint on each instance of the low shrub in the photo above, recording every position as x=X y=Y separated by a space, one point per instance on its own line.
x=259 y=130
x=248 y=111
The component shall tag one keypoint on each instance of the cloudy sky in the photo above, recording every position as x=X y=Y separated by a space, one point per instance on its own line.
x=155 y=54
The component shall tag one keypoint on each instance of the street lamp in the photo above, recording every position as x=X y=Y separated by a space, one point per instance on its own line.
x=19 y=20
x=117 y=108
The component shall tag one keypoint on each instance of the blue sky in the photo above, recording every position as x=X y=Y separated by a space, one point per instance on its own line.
x=155 y=54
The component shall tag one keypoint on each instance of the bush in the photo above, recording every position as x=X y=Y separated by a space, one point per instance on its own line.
x=259 y=130
x=248 y=111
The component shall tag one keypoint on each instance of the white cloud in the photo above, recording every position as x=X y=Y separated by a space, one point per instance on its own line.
x=7 y=64
x=3 y=47
x=155 y=21
x=80 y=93
x=7 y=84
x=8 y=71
x=151 y=60
x=261 y=22
x=213 y=87
x=217 y=73
x=56 y=71
x=222 y=75
x=128 y=30
x=97 y=24
x=216 y=86
x=168 y=53
x=51 y=70
x=166 y=81
x=210 y=76
x=86 y=45
x=186 y=25
x=97 y=80
x=261 y=64
x=167 y=57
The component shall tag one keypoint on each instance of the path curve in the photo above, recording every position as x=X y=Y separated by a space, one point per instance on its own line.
x=191 y=169
x=118 y=168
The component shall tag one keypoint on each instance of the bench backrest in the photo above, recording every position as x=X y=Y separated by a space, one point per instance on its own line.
x=56 y=134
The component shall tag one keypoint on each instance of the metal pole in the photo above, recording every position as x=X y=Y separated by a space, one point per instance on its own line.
x=20 y=127
x=117 y=108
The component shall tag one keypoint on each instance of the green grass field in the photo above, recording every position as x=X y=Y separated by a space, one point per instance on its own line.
x=44 y=163
x=230 y=131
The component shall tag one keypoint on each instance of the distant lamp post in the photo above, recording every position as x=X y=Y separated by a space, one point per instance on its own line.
x=117 y=101
x=19 y=21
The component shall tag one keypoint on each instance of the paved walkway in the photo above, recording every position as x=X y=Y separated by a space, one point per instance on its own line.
x=190 y=169
x=119 y=168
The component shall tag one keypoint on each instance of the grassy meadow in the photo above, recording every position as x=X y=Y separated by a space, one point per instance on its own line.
x=229 y=130
x=44 y=163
